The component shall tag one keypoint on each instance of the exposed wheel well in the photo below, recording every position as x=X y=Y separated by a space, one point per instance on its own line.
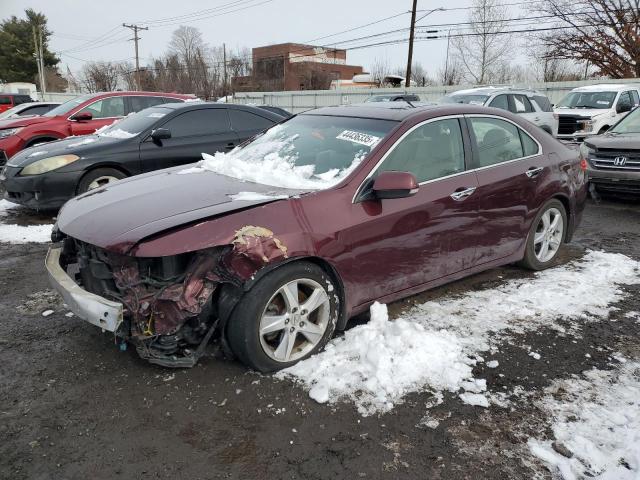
x=96 y=167
x=33 y=141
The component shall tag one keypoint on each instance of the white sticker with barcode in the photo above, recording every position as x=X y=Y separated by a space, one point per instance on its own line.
x=359 y=138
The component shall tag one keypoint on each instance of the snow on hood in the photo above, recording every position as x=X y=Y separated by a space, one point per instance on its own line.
x=115 y=133
x=272 y=162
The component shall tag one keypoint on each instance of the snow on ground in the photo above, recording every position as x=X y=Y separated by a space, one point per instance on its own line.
x=19 y=233
x=596 y=417
x=271 y=160
x=435 y=345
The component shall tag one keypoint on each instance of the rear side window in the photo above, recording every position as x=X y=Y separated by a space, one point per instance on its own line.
x=521 y=104
x=431 y=151
x=172 y=100
x=206 y=121
x=37 y=110
x=5 y=101
x=543 y=103
x=106 y=108
x=243 y=121
x=140 y=103
x=19 y=99
x=625 y=99
x=635 y=97
x=501 y=101
x=500 y=141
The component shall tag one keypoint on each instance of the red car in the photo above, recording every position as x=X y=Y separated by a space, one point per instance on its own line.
x=10 y=100
x=81 y=116
x=275 y=245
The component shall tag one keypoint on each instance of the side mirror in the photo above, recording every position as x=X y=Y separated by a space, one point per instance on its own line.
x=395 y=185
x=160 y=134
x=82 y=117
x=625 y=107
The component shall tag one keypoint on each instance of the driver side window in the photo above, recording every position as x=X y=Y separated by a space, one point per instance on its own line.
x=431 y=151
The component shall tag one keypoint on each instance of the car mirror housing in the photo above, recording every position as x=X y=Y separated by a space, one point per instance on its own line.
x=394 y=184
x=82 y=117
x=160 y=134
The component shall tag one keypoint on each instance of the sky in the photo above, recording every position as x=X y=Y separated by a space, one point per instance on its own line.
x=76 y=23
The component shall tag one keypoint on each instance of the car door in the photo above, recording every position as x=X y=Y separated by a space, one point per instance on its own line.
x=104 y=112
x=425 y=236
x=511 y=168
x=203 y=130
x=247 y=124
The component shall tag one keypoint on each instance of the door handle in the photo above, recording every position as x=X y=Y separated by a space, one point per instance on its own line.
x=462 y=194
x=534 y=172
x=230 y=146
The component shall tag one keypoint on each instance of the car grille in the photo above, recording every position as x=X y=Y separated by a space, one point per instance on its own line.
x=620 y=160
x=569 y=124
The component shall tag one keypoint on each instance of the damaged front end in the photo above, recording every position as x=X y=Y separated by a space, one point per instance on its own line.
x=172 y=306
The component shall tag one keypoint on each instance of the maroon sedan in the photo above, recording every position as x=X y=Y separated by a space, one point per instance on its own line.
x=275 y=245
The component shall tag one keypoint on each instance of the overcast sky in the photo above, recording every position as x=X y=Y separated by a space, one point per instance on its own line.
x=76 y=22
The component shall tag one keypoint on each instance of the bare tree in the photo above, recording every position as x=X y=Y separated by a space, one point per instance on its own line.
x=602 y=33
x=452 y=73
x=546 y=67
x=100 y=76
x=379 y=70
x=483 y=50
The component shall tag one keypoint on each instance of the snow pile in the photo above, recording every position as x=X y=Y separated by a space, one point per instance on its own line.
x=6 y=205
x=115 y=133
x=597 y=419
x=255 y=196
x=435 y=345
x=272 y=161
x=378 y=363
x=22 y=234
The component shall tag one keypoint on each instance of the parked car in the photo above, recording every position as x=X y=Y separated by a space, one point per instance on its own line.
x=529 y=104
x=10 y=100
x=394 y=97
x=277 y=244
x=28 y=109
x=46 y=176
x=280 y=111
x=614 y=157
x=591 y=110
x=81 y=116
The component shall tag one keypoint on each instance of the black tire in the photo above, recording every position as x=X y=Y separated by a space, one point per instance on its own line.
x=91 y=175
x=242 y=330
x=530 y=259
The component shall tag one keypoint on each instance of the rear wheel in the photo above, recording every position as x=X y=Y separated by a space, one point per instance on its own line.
x=289 y=315
x=546 y=235
x=99 y=178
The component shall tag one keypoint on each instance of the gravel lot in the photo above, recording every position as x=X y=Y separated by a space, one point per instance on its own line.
x=72 y=406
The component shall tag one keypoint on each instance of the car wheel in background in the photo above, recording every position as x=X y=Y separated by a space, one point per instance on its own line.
x=289 y=315
x=99 y=178
x=546 y=236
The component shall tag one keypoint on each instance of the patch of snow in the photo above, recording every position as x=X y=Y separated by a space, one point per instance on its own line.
x=46 y=313
x=25 y=234
x=116 y=133
x=535 y=355
x=6 y=205
x=597 y=419
x=85 y=141
x=474 y=399
x=492 y=364
x=435 y=345
x=272 y=162
x=254 y=196
x=632 y=314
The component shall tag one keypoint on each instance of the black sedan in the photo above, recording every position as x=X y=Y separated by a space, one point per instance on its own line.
x=46 y=176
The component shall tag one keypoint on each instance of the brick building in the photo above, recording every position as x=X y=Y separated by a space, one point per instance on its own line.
x=292 y=66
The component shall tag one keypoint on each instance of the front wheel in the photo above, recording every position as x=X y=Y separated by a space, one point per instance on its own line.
x=99 y=178
x=546 y=235
x=289 y=315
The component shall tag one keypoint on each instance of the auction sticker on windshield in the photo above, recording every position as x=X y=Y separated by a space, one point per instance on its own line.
x=358 y=137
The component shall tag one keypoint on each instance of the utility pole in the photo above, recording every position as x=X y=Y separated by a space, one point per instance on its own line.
x=446 y=62
x=38 y=51
x=135 y=39
x=224 y=61
x=407 y=82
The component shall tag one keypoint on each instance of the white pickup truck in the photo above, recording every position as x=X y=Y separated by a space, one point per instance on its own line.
x=591 y=110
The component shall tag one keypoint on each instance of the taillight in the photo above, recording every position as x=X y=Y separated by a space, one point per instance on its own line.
x=583 y=164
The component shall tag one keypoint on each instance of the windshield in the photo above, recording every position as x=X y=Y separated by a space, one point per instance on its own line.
x=67 y=106
x=462 y=98
x=135 y=123
x=379 y=98
x=306 y=152
x=629 y=124
x=587 y=100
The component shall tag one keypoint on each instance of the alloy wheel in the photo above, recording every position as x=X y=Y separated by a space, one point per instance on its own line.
x=549 y=234
x=295 y=320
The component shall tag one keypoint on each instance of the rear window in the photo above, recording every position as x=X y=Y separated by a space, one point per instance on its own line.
x=5 y=101
x=243 y=121
x=543 y=103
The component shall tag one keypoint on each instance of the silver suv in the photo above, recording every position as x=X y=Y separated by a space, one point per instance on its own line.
x=530 y=104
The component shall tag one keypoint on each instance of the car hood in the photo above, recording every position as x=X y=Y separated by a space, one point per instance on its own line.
x=81 y=146
x=118 y=216
x=22 y=122
x=581 y=112
x=626 y=141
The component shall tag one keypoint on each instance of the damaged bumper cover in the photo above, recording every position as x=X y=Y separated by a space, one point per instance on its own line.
x=95 y=309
